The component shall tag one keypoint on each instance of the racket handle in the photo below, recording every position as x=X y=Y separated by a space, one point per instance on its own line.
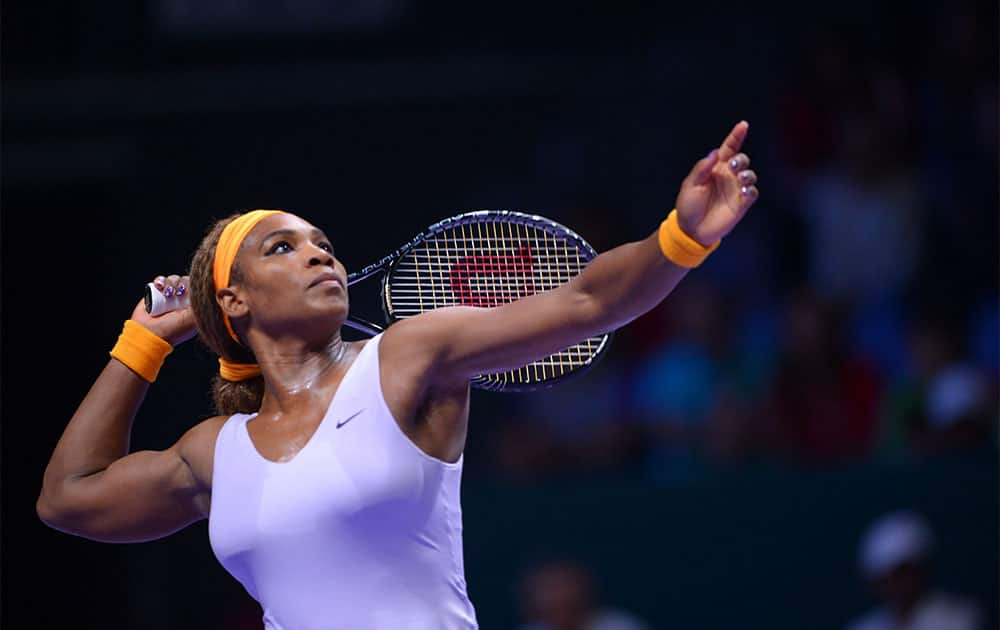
x=157 y=304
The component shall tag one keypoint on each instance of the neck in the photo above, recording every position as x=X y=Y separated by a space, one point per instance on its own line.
x=293 y=370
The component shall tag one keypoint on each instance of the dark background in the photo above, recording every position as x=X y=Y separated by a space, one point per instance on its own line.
x=129 y=127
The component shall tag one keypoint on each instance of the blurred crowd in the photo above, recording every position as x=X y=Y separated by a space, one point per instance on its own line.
x=896 y=563
x=872 y=332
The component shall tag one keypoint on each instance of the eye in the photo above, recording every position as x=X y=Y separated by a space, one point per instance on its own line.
x=327 y=246
x=279 y=248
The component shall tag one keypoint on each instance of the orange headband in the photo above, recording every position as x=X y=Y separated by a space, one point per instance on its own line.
x=225 y=252
x=237 y=371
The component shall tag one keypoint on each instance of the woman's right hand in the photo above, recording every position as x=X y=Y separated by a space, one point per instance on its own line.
x=176 y=326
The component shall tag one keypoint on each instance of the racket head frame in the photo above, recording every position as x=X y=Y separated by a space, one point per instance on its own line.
x=389 y=263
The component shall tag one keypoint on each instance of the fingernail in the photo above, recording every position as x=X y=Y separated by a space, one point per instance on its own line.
x=711 y=153
x=158 y=283
x=745 y=176
x=745 y=190
x=734 y=163
x=170 y=290
x=181 y=289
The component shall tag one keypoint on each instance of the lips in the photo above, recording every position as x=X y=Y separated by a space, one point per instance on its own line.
x=324 y=278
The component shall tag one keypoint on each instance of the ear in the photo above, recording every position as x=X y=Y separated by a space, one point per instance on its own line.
x=231 y=303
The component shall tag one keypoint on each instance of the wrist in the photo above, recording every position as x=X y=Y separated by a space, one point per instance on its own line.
x=680 y=247
x=141 y=350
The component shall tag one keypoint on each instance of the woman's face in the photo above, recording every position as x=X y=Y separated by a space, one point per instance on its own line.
x=289 y=277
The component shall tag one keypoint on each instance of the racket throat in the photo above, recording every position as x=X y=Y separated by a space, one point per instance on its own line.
x=364 y=326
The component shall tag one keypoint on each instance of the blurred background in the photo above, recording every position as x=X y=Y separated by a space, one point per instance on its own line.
x=728 y=464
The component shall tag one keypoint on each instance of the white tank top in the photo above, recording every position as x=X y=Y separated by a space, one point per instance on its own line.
x=361 y=529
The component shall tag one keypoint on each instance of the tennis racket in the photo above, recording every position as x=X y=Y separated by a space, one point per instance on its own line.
x=484 y=259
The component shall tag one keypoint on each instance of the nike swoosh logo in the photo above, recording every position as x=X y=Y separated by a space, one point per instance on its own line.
x=348 y=418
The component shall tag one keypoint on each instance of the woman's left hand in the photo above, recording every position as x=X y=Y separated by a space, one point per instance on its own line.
x=718 y=191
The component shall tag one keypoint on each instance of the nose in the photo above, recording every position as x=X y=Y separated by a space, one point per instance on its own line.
x=320 y=256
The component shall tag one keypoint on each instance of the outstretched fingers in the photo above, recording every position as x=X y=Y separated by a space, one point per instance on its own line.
x=731 y=145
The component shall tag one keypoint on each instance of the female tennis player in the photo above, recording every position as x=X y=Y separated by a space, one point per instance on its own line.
x=330 y=479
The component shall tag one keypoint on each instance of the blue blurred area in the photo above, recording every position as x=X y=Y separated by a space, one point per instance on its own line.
x=837 y=358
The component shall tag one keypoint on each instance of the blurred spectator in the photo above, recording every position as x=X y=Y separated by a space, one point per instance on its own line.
x=946 y=401
x=694 y=391
x=895 y=562
x=864 y=214
x=847 y=164
x=563 y=595
x=578 y=426
x=876 y=330
x=824 y=400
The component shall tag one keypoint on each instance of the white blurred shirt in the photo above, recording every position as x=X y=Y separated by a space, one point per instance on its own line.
x=938 y=611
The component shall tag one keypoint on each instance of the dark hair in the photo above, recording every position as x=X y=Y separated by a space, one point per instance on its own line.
x=229 y=397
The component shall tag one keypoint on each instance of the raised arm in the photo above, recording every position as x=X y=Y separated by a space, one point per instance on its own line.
x=614 y=289
x=92 y=486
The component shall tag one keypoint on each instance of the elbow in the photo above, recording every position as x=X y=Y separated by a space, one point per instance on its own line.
x=46 y=510
x=53 y=511
x=594 y=315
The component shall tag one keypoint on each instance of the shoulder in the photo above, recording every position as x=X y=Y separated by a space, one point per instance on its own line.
x=429 y=327
x=197 y=447
x=205 y=431
x=410 y=346
x=422 y=342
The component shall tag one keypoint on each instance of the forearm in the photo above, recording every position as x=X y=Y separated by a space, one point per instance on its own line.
x=98 y=433
x=625 y=282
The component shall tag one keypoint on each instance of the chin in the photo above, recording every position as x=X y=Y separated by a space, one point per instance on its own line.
x=337 y=311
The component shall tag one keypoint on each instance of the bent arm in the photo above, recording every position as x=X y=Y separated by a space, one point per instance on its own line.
x=92 y=486
x=615 y=288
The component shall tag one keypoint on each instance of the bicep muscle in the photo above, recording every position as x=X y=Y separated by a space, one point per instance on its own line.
x=142 y=496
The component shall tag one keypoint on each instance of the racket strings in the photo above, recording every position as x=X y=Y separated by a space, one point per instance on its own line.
x=487 y=264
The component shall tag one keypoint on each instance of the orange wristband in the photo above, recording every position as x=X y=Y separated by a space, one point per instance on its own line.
x=680 y=248
x=141 y=350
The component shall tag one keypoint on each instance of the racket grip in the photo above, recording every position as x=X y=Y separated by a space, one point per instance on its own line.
x=157 y=304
